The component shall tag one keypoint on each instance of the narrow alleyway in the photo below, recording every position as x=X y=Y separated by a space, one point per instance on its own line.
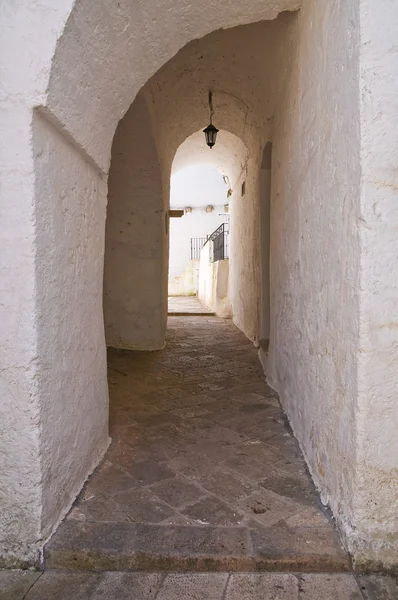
x=202 y=473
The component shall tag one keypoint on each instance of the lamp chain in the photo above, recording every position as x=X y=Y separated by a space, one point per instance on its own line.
x=211 y=106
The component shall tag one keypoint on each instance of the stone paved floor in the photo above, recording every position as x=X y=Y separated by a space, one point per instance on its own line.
x=202 y=473
x=186 y=305
x=69 y=585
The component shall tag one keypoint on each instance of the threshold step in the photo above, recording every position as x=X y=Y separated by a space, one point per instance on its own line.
x=111 y=585
x=146 y=547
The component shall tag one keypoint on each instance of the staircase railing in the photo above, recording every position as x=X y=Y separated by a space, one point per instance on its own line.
x=219 y=243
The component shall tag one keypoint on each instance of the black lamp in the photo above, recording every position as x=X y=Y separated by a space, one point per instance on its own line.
x=210 y=131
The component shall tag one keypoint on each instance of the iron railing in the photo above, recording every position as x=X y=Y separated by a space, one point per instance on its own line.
x=196 y=246
x=219 y=243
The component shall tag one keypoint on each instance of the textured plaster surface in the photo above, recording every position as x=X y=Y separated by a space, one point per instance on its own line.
x=20 y=492
x=129 y=43
x=333 y=335
x=244 y=254
x=315 y=247
x=375 y=503
x=135 y=274
x=265 y=234
x=71 y=375
x=23 y=83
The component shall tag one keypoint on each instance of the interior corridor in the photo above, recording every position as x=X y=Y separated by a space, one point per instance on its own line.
x=202 y=473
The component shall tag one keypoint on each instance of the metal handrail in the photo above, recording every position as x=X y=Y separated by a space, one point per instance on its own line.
x=223 y=228
x=219 y=247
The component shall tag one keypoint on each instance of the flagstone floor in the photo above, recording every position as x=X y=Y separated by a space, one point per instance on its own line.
x=203 y=472
x=202 y=486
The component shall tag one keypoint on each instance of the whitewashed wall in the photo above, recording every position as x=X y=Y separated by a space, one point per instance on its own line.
x=214 y=283
x=327 y=302
x=244 y=255
x=135 y=269
x=374 y=537
x=69 y=235
x=315 y=247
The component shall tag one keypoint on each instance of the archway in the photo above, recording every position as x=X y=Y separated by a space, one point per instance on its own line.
x=76 y=66
x=230 y=157
x=198 y=198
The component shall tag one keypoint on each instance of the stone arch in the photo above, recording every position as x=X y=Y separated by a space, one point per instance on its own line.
x=130 y=44
x=82 y=64
x=177 y=96
x=230 y=156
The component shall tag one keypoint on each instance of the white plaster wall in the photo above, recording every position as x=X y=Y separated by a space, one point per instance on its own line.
x=20 y=469
x=213 y=283
x=71 y=367
x=187 y=283
x=197 y=185
x=375 y=504
x=333 y=248
x=113 y=53
x=135 y=275
x=24 y=75
x=315 y=248
x=244 y=254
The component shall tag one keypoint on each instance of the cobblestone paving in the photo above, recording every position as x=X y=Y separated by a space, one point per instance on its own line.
x=69 y=585
x=203 y=472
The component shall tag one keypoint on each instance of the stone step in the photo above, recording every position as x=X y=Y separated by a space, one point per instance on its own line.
x=145 y=547
x=108 y=585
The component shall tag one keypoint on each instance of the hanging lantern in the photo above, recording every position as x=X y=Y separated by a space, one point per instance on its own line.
x=210 y=131
x=211 y=134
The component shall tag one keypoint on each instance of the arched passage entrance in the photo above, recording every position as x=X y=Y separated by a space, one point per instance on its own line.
x=77 y=67
x=231 y=157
